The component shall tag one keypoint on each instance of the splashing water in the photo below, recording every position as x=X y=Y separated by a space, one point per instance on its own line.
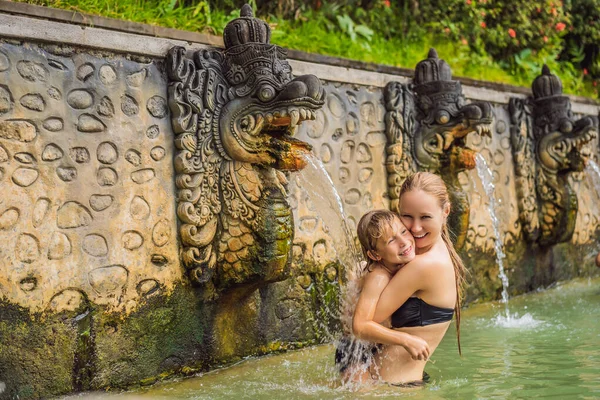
x=485 y=174
x=320 y=190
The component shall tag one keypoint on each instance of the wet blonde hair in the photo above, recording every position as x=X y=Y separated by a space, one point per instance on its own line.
x=371 y=227
x=435 y=186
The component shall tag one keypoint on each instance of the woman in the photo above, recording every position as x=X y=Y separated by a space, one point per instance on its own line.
x=422 y=295
x=387 y=246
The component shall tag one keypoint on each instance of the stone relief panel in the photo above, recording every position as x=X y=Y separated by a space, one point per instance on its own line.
x=348 y=136
x=87 y=207
x=587 y=186
x=496 y=151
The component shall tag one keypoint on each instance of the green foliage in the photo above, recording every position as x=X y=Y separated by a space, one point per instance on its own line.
x=505 y=41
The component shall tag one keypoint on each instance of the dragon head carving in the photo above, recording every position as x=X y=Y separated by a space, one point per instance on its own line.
x=560 y=148
x=560 y=139
x=234 y=112
x=444 y=118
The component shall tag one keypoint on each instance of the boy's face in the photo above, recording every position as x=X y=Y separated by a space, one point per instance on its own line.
x=396 y=245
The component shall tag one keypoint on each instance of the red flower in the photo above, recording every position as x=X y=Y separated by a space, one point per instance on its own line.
x=387 y=3
x=464 y=41
x=585 y=71
x=512 y=33
x=560 y=26
x=545 y=39
x=483 y=25
x=469 y=2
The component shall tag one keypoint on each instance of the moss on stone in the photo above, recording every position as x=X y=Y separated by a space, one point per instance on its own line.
x=36 y=354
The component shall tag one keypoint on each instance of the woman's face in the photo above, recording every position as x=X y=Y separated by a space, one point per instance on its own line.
x=395 y=246
x=422 y=215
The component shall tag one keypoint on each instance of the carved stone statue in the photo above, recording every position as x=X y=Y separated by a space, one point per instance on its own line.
x=548 y=144
x=234 y=112
x=427 y=132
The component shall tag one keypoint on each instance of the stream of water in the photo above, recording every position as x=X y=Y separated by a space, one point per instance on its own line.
x=485 y=174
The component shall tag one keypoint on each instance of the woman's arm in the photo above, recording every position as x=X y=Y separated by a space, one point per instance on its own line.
x=405 y=283
x=366 y=328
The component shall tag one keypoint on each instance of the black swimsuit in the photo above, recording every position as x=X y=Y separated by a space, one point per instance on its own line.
x=415 y=312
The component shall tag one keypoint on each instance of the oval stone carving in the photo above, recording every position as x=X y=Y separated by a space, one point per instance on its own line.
x=95 y=245
x=106 y=280
x=132 y=240
x=364 y=175
x=27 y=249
x=139 y=208
x=347 y=152
x=148 y=287
x=28 y=284
x=352 y=124
x=161 y=233
x=54 y=93
x=20 y=130
x=73 y=215
x=107 y=74
x=133 y=157
x=352 y=196
x=60 y=246
x=105 y=107
x=32 y=71
x=4 y=62
x=157 y=153
x=325 y=153
x=9 y=218
x=137 y=78
x=100 y=202
x=129 y=106
x=57 y=64
x=157 y=106
x=52 y=152
x=6 y=102
x=107 y=177
x=66 y=174
x=363 y=154
x=80 y=155
x=142 y=176
x=67 y=300
x=107 y=153
x=24 y=158
x=53 y=124
x=80 y=99
x=90 y=124
x=84 y=72
x=41 y=208
x=34 y=102
x=152 y=132
x=336 y=105
x=25 y=176
x=3 y=154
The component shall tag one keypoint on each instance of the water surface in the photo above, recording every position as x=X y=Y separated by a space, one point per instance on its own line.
x=550 y=348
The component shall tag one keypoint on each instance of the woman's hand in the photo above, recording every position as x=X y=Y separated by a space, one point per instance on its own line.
x=416 y=347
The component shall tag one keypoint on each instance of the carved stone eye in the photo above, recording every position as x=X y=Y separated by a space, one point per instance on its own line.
x=442 y=117
x=266 y=93
x=566 y=126
x=247 y=123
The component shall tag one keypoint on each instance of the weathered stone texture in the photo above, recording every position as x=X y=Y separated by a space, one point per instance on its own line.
x=87 y=196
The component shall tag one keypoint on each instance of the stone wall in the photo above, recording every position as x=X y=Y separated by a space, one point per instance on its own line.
x=92 y=290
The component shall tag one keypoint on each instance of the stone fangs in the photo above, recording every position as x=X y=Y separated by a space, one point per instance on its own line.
x=291 y=116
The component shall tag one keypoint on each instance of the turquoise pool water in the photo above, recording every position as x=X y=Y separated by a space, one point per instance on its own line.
x=550 y=348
